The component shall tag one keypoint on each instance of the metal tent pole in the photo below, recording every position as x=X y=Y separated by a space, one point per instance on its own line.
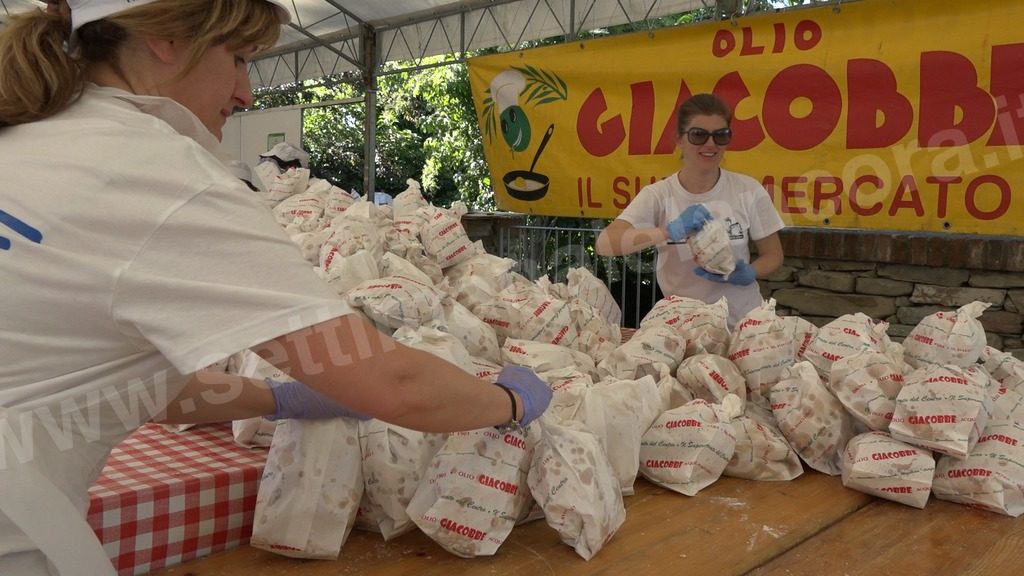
x=369 y=42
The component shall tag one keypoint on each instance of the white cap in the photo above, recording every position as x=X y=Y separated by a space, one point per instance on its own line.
x=85 y=11
x=286 y=152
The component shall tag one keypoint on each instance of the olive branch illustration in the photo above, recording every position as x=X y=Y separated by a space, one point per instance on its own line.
x=542 y=87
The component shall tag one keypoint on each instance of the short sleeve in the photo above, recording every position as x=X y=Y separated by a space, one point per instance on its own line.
x=217 y=276
x=642 y=211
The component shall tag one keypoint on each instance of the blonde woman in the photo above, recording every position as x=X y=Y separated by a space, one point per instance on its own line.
x=131 y=258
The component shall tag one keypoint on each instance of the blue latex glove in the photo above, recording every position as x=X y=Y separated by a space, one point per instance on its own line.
x=534 y=393
x=691 y=220
x=296 y=400
x=743 y=274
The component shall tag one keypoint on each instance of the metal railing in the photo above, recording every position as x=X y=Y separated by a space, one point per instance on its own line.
x=552 y=251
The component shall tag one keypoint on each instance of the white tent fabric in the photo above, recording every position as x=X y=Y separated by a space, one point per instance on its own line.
x=335 y=36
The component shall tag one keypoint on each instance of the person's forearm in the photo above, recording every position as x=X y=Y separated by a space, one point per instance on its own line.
x=218 y=397
x=355 y=365
x=628 y=241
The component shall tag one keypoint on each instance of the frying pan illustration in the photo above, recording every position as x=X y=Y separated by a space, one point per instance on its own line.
x=527 y=184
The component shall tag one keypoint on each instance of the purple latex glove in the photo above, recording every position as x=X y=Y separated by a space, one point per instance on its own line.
x=690 y=221
x=743 y=274
x=534 y=393
x=296 y=400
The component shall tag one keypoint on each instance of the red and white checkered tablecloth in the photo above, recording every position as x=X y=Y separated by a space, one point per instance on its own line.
x=166 y=497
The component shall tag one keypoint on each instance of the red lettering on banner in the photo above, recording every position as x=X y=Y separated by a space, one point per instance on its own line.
x=1007 y=85
x=949 y=86
x=855 y=189
x=801 y=82
x=907 y=185
x=806 y=35
x=641 y=120
x=872 y=92
x=598 y=139
x=1004 y=197
x=746 y=132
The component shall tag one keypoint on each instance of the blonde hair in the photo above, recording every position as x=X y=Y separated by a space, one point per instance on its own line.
x=40 y=78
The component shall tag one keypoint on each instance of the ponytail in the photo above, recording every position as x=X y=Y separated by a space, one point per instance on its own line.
x=39 y=77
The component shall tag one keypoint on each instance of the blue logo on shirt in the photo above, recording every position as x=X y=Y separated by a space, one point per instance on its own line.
x=20 y=227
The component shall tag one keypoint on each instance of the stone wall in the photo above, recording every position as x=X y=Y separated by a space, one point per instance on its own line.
x=901 y=278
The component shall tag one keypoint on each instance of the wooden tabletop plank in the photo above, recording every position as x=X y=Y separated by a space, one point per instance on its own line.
x=729 y=528
x=889 y=538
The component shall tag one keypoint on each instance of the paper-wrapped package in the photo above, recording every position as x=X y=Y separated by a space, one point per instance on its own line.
x=475 y=490
x=711 y=377
x=301 y=212
x=595 y=336
x=394 y=460
x=944 y=408
x=443 y=236
x=439 y=343
x=477 y=336
x=479 y=279
x=574 y=484
x=397 y=301
x=763 y=344
x=991 y=477
x=542 y=357
x=343 y=273
x=762 y=452
x=686 y=449
x=811 y=418
x=846 y=335
x=568 y=388
x=947 y=338
x=711 y=248
x=394 y=265
x=311 y=488
x=619 y=412
x=582 y=284
x=704 y=327
x=1004 y=368
x=648 y=348
x=867 y=384
x=875 y=463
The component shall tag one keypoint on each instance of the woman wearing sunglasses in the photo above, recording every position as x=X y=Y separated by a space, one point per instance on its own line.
x=665 y=213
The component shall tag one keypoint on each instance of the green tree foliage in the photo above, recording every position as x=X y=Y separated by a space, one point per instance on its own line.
x=426 y=121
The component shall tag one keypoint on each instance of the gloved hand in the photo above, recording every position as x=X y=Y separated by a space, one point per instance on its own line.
x=691 y=220
x=534 y=392
x=296 y=400
x=743 y=274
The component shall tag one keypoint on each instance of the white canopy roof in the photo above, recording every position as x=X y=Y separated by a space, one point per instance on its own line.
x=335 y=36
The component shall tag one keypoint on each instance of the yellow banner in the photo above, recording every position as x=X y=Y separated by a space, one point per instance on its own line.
x=874 y=114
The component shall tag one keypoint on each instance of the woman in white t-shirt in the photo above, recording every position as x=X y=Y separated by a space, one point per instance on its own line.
x=665 y=213
x=131 y=258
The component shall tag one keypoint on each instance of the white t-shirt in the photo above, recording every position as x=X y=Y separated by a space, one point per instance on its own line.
x=154 y=261
x=737 y=199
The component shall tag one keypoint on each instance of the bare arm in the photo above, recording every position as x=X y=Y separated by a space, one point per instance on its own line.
x=354 y=364
x=769 y=255
x=218 y=397
x=620 y=237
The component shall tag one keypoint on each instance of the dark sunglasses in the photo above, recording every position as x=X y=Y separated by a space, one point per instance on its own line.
x=698 y=136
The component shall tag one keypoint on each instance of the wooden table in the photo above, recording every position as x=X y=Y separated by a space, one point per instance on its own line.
x=732 y=527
